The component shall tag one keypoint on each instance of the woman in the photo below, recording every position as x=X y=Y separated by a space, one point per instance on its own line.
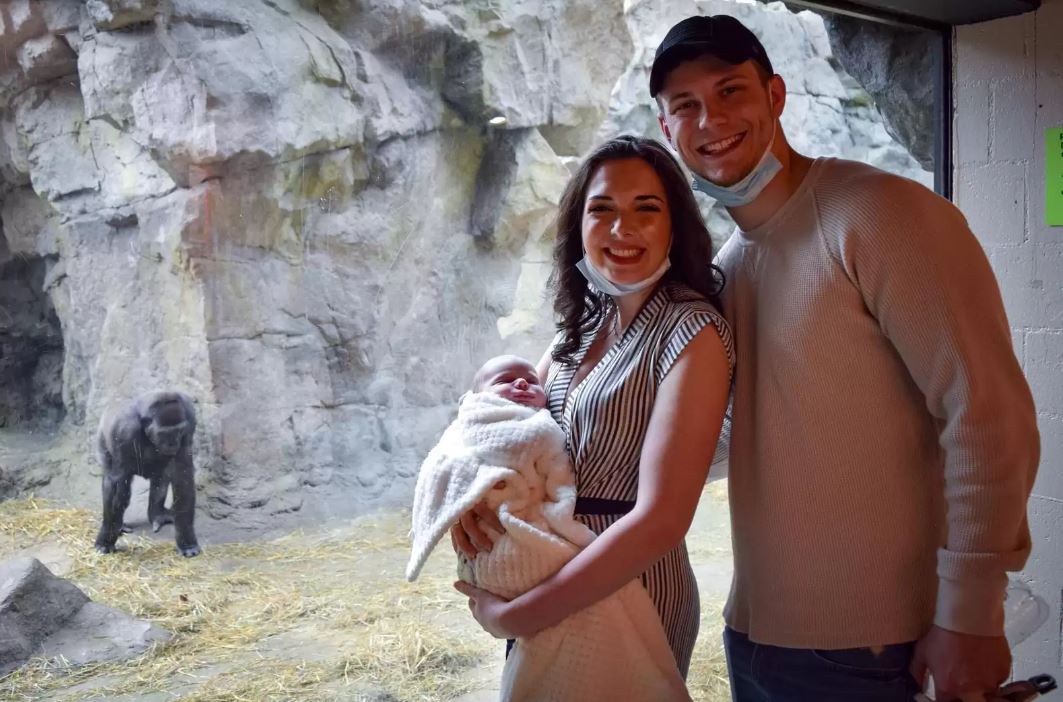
x=638 y=378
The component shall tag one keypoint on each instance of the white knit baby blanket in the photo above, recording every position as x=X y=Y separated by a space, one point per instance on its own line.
x=615 y=649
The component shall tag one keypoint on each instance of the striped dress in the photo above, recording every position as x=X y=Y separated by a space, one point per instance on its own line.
x=605 y=419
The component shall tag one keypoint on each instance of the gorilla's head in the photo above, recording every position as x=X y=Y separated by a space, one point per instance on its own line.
x=166 y=427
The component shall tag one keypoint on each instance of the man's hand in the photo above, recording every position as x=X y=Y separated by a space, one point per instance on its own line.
x=961 y=664
x=468 y=535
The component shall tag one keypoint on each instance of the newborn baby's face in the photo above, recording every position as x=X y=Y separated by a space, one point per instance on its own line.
x=514 y=380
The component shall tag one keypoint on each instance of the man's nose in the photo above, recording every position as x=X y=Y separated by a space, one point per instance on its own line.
x=708 y=117
x=703 y=122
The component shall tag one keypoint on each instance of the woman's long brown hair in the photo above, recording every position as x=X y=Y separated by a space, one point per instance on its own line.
x=579 y=310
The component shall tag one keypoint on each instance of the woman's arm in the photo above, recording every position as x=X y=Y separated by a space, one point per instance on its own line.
x=678 y=449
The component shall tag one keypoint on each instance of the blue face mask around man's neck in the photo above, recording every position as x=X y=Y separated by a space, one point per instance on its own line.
x=749 y=188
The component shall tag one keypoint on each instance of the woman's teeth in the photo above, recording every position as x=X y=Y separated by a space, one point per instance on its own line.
x=625 y=253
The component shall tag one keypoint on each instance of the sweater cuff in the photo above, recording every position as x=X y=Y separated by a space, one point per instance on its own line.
x=971 y=606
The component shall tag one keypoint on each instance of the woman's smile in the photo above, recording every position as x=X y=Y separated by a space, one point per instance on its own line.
x=624 y=256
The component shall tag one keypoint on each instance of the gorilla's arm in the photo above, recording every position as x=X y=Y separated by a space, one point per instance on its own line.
x=184 y=501
x=119 y=456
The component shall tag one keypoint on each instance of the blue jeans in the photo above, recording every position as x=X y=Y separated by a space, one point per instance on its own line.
x=761 y=673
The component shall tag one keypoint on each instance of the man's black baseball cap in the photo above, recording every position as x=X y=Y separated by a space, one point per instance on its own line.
x=722 y=36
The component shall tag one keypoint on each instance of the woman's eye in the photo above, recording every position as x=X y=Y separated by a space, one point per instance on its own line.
x=649 y=208
x=597 y=208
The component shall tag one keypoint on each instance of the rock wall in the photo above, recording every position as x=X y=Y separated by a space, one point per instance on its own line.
x=896 y=67
x=318 y=218
x=31 y=348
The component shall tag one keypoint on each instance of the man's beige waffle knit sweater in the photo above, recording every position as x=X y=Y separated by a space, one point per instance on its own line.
x=884 y=440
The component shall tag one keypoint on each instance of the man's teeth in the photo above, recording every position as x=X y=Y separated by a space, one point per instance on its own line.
x=625 y=253
x=722 y=144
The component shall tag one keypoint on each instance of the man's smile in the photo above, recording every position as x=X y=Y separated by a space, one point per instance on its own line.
x=722 y=146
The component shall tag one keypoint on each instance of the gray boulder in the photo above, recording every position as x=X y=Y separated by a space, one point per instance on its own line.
x=99 y=633
x=43 y=615
x=34 y=604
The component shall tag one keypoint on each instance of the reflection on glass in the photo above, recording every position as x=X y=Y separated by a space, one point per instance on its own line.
x=1024 y=612
x=317 y=219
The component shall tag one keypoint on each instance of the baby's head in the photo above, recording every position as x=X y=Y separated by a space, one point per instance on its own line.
x=513 y=378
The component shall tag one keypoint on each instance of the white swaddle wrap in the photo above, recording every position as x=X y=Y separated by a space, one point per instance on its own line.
x=614 y=649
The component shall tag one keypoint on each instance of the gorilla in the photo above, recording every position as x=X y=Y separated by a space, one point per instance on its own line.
x=150 y=437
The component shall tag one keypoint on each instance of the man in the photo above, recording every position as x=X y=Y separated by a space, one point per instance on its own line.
x=884 y=441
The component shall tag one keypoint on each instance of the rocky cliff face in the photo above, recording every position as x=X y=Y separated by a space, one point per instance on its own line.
x=316 y=218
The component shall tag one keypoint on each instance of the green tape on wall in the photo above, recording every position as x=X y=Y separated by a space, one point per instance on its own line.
x=1054 y=177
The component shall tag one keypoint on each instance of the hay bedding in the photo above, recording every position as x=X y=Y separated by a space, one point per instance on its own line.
x=362 y=632
x=223 y=605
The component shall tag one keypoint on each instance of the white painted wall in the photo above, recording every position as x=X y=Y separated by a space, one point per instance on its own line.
x=1008 y=89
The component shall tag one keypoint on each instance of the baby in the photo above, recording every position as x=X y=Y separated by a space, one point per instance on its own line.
x=513 y=378
x=504 y=448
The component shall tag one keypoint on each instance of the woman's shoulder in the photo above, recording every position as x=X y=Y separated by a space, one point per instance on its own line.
x=687 y=312
x=682 y=300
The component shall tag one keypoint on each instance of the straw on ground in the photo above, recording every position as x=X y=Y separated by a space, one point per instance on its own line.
x=322 y=616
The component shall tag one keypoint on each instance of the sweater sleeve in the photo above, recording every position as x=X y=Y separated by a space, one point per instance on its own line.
x=926 y=280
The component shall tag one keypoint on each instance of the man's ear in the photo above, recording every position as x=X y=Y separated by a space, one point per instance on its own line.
x=664 y=127
x=777 y=88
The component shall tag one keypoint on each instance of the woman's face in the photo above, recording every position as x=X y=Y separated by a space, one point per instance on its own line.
x=627 y=226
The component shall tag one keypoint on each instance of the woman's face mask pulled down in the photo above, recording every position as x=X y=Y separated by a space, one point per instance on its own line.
x=626 y=228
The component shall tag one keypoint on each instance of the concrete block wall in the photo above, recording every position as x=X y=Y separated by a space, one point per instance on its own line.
x=1008 y=89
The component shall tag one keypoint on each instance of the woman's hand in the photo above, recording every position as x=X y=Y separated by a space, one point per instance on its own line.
x=676 y=452
x=468 y=536
x=490 y=611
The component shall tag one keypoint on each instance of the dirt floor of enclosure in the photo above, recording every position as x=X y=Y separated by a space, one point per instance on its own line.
x=322 y=615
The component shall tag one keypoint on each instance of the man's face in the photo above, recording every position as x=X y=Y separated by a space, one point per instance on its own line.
x=719 y=116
